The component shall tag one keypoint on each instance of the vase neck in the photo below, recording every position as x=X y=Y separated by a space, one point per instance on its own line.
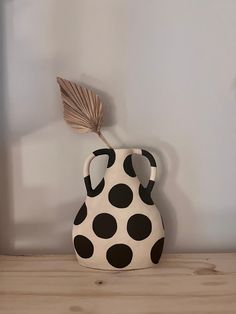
x=122 y=153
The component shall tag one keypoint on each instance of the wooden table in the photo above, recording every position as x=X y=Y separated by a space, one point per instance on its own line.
x=181 y=283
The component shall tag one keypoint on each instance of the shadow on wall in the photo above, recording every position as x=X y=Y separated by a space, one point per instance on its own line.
x=29 y=232
x=16 y=233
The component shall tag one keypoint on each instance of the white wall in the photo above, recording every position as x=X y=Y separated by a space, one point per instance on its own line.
x=165 y=70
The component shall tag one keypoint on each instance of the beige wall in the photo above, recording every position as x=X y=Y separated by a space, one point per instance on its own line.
x=166 y=72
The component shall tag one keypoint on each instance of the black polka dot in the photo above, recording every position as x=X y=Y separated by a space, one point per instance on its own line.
x=157 y=251
x=83 y=246
x=112 y=158
x=145 y=195
x=82 y=214
x=128 y=166
x=120 y=195
x=149 y=157
x=93 y=192
x=110 y=152
x=139 y=227
x=104 y=225
x=119 y=255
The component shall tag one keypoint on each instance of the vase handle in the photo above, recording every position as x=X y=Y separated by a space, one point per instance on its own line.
x=86 y=170
x=153 y=165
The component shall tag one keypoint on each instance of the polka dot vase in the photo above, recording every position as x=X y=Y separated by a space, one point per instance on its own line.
x=118 y=226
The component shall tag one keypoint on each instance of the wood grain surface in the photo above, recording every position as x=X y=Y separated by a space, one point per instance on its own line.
x=181 y=283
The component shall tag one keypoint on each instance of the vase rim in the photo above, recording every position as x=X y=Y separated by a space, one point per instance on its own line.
x=125 y=148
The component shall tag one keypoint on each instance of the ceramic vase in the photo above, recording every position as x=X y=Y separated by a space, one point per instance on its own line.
x=118 y=226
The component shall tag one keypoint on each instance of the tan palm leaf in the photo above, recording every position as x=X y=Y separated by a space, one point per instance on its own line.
x=82 y=108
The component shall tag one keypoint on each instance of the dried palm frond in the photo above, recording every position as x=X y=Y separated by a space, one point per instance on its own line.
x=82 y=108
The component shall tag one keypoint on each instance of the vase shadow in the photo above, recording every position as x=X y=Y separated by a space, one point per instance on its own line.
x=46 y=237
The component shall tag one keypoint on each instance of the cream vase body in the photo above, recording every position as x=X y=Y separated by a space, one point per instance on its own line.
x=118 y=226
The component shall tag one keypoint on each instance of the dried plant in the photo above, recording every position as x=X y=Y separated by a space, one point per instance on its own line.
x=82 y=108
